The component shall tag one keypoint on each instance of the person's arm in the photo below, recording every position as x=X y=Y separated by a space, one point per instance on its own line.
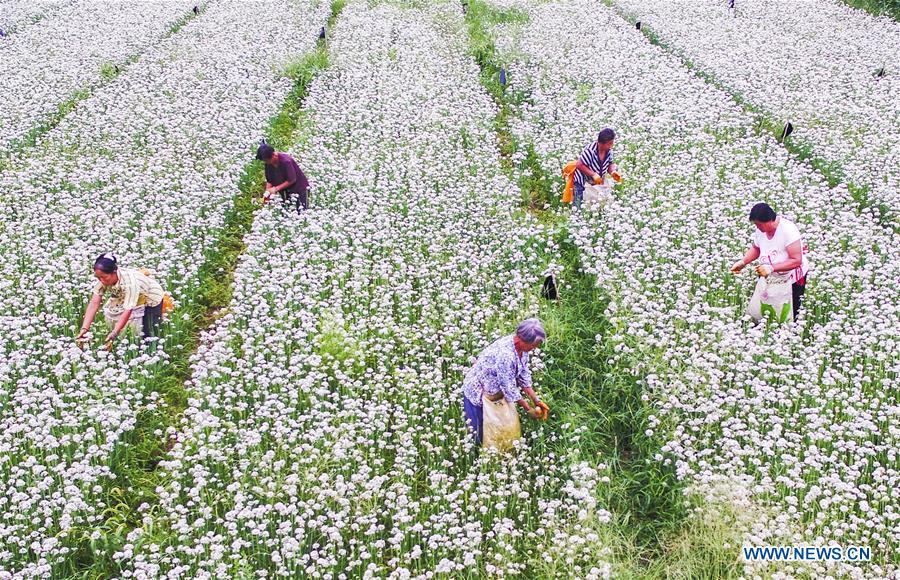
x=510 y=388
x=268 y=193
x=120 y=326
x=752 y=254
x=531 y=395
x=795 y=258
x=580 y=166
x=613 y=169
x=89 y=314
x=507 y=380
x=524 y=381
x=534 y=413
x=282 y=186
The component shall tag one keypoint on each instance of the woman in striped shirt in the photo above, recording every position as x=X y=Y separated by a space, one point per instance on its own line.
x=134 y=298
x=594 y=163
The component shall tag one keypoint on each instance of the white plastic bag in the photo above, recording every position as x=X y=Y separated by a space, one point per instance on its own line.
x=135 y=321
x=596 y=196
x=773 y=298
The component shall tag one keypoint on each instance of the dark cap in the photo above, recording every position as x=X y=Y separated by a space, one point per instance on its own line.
x=264 y=152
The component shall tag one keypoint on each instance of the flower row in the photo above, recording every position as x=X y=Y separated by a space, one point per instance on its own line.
x=16 y=14
x=146 y=167
x=829 y=69
x=45 y=64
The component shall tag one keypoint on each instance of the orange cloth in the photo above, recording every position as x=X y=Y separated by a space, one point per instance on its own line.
x=568 y=174
x=168 y=304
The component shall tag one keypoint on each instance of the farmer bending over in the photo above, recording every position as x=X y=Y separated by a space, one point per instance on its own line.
x=134 y=298
x=499 y=372
x=283 y=176
x=594 y=163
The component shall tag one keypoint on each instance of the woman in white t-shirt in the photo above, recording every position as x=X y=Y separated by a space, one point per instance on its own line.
x=778 y=246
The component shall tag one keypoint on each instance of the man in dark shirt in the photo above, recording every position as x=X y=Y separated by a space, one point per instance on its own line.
x=283 y=176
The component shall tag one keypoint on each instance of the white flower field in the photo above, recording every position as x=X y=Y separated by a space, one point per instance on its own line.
x=45 y=63
x=301 y=416
x=768 y=51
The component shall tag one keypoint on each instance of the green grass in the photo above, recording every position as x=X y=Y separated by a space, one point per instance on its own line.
x=534 y=183
x=108 y=71
x=652 y=534
x=889 y=8
x=607 y=397
x=136 y=458
x=336 y=7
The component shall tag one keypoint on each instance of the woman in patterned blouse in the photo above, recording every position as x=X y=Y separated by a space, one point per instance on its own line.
x=134 y=298
x=501 y=371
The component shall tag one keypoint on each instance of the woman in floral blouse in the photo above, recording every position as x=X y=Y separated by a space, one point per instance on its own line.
x=501 y=371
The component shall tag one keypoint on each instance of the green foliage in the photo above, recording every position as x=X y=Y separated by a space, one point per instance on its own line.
x=336 y=7
x=582 y=93
x=539 y=190
x=706 y=547
x=335 y=341
x=780 y=317
x=304 y=69
x=592 y=388
x=480 y=18
x=653 y=533
x=109 y=70
x=888 y=8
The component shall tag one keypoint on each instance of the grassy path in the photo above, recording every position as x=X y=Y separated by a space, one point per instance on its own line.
x=888 y=8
